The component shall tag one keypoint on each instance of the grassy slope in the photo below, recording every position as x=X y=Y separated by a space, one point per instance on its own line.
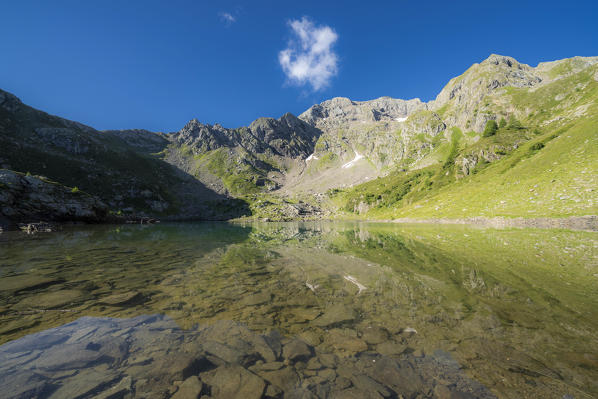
x=558 y=179
x=241 y=173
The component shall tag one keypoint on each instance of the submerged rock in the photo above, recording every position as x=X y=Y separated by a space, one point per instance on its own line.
x=85 y=384
x=150 y=357
x=25 y=282
x=189 y=389
x=25 y=385
x=296 y=350
x=233 y=381
x=334 y=315
x=52 y=300
x=122 y=299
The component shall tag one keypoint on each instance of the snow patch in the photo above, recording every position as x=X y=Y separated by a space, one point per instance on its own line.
x=312 y=287
x=401 y=119
x=351 y=163
x=312 y=156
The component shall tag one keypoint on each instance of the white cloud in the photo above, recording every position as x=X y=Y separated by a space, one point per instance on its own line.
x=227 y=18
x=309 y=57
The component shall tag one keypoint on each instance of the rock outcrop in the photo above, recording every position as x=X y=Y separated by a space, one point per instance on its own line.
x=462 y=97
x=341 y=111
x=26 y=198
x=287 y=136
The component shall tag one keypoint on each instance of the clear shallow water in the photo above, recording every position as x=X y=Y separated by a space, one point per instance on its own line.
x=299 y=309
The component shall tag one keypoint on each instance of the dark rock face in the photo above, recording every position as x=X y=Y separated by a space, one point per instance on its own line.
x=140 y=139
x=150 y=357
x=29 y=198
x=287 y=136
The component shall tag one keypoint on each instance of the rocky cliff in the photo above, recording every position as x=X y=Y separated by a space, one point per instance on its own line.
x=26 y=198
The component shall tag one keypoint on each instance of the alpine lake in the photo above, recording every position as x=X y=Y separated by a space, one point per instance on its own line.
x=299 y=310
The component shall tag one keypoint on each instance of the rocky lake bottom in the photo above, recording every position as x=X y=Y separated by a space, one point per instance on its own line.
x=299 y=310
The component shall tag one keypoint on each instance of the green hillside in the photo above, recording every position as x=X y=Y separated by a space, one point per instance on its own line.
x=545 y=164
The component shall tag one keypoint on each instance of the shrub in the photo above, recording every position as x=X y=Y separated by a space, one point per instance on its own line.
x=490 y=128
x=75 y=190
x=514 y=123
x=536 y=147
x=502 y=123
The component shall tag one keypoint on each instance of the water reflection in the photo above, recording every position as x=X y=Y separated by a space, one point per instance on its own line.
x=517 y=309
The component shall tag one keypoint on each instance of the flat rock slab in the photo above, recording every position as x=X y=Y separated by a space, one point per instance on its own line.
x=234 y=381
x=296 y=350
x=375 y=335
x=18 y=324
x=286 y=378
x=345 y=343
x=305 y=314
x=390 y=348
x=336 y=314
x=122 y=299
x=67 y=357
x=189 y=389
x=84 y=384
x=52 y=300
x=117 y=391
x=24 y=385
x=25 y=282
x=256 y=299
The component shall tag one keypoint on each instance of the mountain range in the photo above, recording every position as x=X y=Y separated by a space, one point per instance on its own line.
x=502 y=139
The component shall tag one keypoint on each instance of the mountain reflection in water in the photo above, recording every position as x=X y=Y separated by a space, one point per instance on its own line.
x=327 y=309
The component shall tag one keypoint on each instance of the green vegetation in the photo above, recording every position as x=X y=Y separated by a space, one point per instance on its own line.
x=490 y=128
x=544 y=163
x=514 y=123
x=543 y=177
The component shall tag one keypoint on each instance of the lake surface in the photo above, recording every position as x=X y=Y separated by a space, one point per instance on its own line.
x=321 y=309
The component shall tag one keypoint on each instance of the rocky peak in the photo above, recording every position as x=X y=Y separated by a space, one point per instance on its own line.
x=464 y=95
x=496 y=59
x=203 y=137
x=288 y=136
x=341 y=111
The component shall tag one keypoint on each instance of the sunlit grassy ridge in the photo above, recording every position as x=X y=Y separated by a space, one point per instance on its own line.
x=545 y=165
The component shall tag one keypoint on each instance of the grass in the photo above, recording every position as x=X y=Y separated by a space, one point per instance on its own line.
x=553 y=175
x=544 y=166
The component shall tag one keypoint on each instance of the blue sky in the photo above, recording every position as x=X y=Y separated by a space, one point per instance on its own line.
x=157 y=64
